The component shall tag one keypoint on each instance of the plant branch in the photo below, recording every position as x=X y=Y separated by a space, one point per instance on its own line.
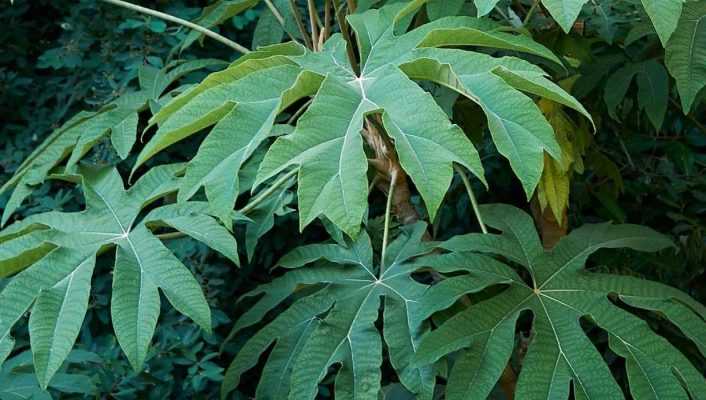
x=213 y=35
x=386 y=231
x=326 y=32
x=531 y=12
x=300 y=24
x=471 y=196
x=246 y=209
x=264 y=195
x=314 y=23
x=341 y=18
x=275 y=12
x=170 y=235
x=351 y=6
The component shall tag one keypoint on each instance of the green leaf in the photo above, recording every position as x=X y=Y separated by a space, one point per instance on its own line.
x=6 y=346
x=564 y=12
x=338 y=317
x=664 y=15
x=134 y=307
x=685 y=55
x=81 y=133
x=443 y=8
x=56 y=320
x=653 y=92
x=215 y=14
x=263 y=217
x=143 y=265
x=617 y=87
x=559 y=293
x=519 y=130
x=267 y=31
x=326 y=147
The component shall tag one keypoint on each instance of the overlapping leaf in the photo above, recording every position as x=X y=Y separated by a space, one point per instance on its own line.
x=664 y=14
x=653 y=89
x=56 y=280
x=335 y=322
x=686 y=53
x=561 y=295
x=117 y=120
x=326 y=147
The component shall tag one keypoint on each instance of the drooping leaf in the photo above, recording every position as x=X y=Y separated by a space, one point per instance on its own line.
x=685 y=55
x=559 y=293
x=336 y=322
x=554 y=187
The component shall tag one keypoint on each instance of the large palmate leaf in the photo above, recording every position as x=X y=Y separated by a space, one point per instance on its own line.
x=562 y=297
x=334 y=321
x=326 y=147
x=55 y=280
x=117 y=120
x=686 y=53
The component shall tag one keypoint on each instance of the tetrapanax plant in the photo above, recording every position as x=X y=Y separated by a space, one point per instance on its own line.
x=324 y=111
x=562 y=296
x=327 y=147
x=335 y=322
x=59 y=253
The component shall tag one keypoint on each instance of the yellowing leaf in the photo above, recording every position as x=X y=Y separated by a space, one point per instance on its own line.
x=554 y=187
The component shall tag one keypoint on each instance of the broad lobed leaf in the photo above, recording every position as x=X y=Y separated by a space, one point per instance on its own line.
x=57 y=252
x=326 y=147
x=560 y=293
x=335 y=322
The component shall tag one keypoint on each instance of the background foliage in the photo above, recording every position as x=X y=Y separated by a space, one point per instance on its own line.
x=645 y=164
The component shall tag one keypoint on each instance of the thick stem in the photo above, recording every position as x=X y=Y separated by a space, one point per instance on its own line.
x=386 y=163
x=213 y=35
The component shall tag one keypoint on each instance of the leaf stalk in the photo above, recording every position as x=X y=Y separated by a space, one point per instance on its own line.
x=213 y=35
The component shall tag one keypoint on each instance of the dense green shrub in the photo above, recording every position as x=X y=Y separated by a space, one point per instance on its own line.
x=358 y=131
